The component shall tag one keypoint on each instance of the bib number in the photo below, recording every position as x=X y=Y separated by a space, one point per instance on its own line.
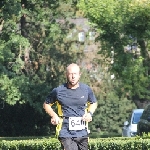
x=76 y=123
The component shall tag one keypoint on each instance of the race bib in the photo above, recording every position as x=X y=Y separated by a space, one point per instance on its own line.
x=76 y=123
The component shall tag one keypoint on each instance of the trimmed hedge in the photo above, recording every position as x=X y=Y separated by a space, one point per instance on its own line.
x=33 y=144
x=136 y=143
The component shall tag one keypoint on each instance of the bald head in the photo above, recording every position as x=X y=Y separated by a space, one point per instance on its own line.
x=73 y=66
x=73 y=74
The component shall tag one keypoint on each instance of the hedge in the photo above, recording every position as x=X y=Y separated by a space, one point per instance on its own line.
x=136 y=143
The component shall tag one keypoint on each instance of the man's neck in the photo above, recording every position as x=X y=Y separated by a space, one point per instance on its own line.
x=72 y=86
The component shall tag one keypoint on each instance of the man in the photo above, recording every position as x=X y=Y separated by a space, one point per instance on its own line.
x=76 y=104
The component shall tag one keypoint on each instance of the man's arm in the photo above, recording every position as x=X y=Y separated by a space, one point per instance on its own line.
x=91 y=109
x=50 y=111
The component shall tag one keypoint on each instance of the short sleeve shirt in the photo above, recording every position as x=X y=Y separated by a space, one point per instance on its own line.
x=72 y=103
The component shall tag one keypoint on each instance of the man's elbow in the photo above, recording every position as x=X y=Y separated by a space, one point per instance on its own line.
x=44 y=105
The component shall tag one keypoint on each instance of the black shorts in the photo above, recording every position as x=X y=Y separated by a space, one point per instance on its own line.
x=74 y=143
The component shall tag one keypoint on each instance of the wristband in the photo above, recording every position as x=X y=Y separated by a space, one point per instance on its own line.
x=90 y=113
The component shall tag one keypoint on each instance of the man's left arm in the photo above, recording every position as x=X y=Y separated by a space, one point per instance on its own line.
x=92 y=101
x=92 y=105
x=91 y=109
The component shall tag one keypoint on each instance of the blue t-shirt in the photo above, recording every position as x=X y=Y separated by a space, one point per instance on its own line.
x=71 y=103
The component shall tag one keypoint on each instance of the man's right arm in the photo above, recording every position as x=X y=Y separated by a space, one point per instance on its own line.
x=51 y=99
x=50 y=111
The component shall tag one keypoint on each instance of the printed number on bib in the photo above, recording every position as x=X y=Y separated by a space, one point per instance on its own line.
x=76 y=123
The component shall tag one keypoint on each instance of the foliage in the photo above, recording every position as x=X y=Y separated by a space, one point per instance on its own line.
x=34 y=52
x=33 y=49
x=113 y=108
x=24 y=120
x=99 y=143
x=122 y=23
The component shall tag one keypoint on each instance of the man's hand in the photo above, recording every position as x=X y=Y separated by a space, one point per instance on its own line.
x=87 y=117
x=55 y=120
x=54 y=117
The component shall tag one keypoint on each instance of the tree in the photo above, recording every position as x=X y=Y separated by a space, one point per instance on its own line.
x=34 y=51
x=122 y=23
x=113 y=107
x=33 y=48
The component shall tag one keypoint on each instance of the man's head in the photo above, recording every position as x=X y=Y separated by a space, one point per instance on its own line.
x=73 y=74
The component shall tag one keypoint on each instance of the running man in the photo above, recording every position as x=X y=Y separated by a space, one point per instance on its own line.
x=76 y=104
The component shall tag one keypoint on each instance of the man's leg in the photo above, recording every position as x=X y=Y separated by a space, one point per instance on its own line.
x=68 y=143
x=82 y=143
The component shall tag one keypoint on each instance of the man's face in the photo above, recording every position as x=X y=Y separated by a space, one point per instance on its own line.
x=73 y=75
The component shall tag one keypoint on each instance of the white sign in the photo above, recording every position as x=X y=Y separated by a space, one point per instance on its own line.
x=76 y=123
